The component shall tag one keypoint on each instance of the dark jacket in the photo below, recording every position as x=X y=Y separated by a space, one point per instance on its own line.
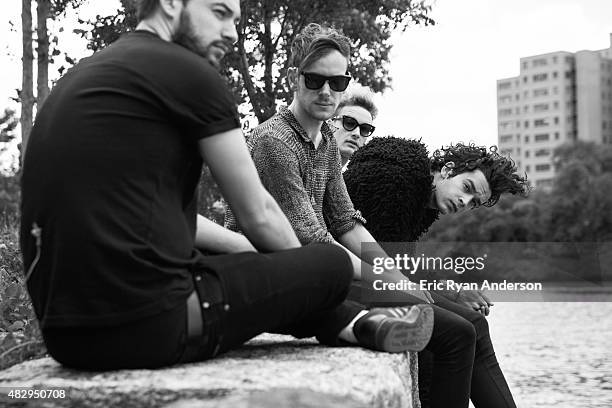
x=390 y=182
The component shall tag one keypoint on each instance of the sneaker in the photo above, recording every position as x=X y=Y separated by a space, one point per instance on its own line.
x=395 y=330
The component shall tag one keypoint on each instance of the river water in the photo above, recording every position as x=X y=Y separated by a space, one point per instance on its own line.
x=555 y=354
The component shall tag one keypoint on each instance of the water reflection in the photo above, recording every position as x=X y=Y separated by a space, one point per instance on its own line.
x=555 y=354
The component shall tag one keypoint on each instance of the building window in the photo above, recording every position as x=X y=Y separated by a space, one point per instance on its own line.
x=540 y=77
x=556 y=105
x=505 y=98
x=541 y=137
x=527 y=168
x=542 y=152
x=569 y=59
x=505 y=112
x=526 y=108
x=527 y=154
x=503 y=85
x=506 y=152
x=554 y=59
x=526 y=124
x=544 y=183
x=569 y=74
x=542 y=167
x=540 y=107
x=540 y=92
x=555 y=74
x=539 y=62
x=505 y=138
x=524 y=65
x=556 y=120
x=556 y=135
x=526 y=138
x=540 y=122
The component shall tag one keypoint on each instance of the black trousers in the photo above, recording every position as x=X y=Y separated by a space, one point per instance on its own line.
x=299 y=292
x=459 y=362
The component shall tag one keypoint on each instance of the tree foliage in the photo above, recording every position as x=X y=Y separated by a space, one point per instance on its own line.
x=581 y=205
x=257 y=70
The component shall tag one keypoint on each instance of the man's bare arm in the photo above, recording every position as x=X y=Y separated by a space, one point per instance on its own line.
x=257 y=213
x=213 y=237
x=353 y=239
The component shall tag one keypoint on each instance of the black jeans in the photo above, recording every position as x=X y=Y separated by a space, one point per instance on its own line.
x=299 y=292
x=459 y=362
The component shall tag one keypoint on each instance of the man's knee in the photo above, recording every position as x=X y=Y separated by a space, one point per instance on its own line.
x=459 y=333
x=481 y=325
x=333 y=263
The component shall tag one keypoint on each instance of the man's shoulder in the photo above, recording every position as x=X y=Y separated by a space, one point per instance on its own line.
x=146 y=53
x=277 y=129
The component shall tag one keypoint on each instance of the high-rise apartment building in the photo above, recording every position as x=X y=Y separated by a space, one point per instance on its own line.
x=558 y=97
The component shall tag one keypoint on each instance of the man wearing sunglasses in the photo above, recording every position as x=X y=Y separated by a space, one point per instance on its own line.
x=353 y=121
x=298 y=161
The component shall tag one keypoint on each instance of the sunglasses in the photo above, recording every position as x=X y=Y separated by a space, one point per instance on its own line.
x=337 y=83
x=349 y=123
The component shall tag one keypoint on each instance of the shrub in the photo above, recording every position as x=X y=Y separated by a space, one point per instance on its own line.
x=20 y=337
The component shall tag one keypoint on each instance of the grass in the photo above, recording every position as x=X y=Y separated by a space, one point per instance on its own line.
x=20 y=336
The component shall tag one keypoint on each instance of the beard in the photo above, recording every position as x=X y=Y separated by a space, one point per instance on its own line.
x=185 y=36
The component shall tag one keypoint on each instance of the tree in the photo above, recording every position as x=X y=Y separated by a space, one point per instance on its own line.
x=27 y=87
x=257 y=70
x=45 y=10
x=268 y=27
x=581 y=205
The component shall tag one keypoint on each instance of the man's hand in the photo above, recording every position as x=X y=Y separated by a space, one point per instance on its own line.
x=475 y=299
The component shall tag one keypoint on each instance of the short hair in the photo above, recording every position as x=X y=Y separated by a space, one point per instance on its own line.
x=357 y=95
x=144 y=8
x=314 y=42
x=499 y=171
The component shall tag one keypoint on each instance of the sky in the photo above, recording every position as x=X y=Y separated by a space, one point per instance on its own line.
x=444 y=76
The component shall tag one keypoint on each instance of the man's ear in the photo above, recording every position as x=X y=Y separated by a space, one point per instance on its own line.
x=171 y=8
x=292 y=78
x=447 y=170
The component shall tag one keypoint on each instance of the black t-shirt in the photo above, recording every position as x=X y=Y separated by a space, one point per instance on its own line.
x=110 y=175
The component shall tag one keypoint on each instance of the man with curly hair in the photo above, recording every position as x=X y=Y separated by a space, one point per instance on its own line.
x=401 y=191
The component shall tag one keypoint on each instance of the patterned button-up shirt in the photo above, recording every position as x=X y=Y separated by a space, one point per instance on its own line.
x=305 y=181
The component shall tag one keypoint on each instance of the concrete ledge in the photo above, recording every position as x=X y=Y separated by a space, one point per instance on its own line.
x=269 y=371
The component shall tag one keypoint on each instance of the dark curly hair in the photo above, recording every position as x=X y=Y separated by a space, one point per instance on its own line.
x=500 y=171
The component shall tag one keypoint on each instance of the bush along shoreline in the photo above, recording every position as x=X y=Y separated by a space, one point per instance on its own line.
x=20 y=336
